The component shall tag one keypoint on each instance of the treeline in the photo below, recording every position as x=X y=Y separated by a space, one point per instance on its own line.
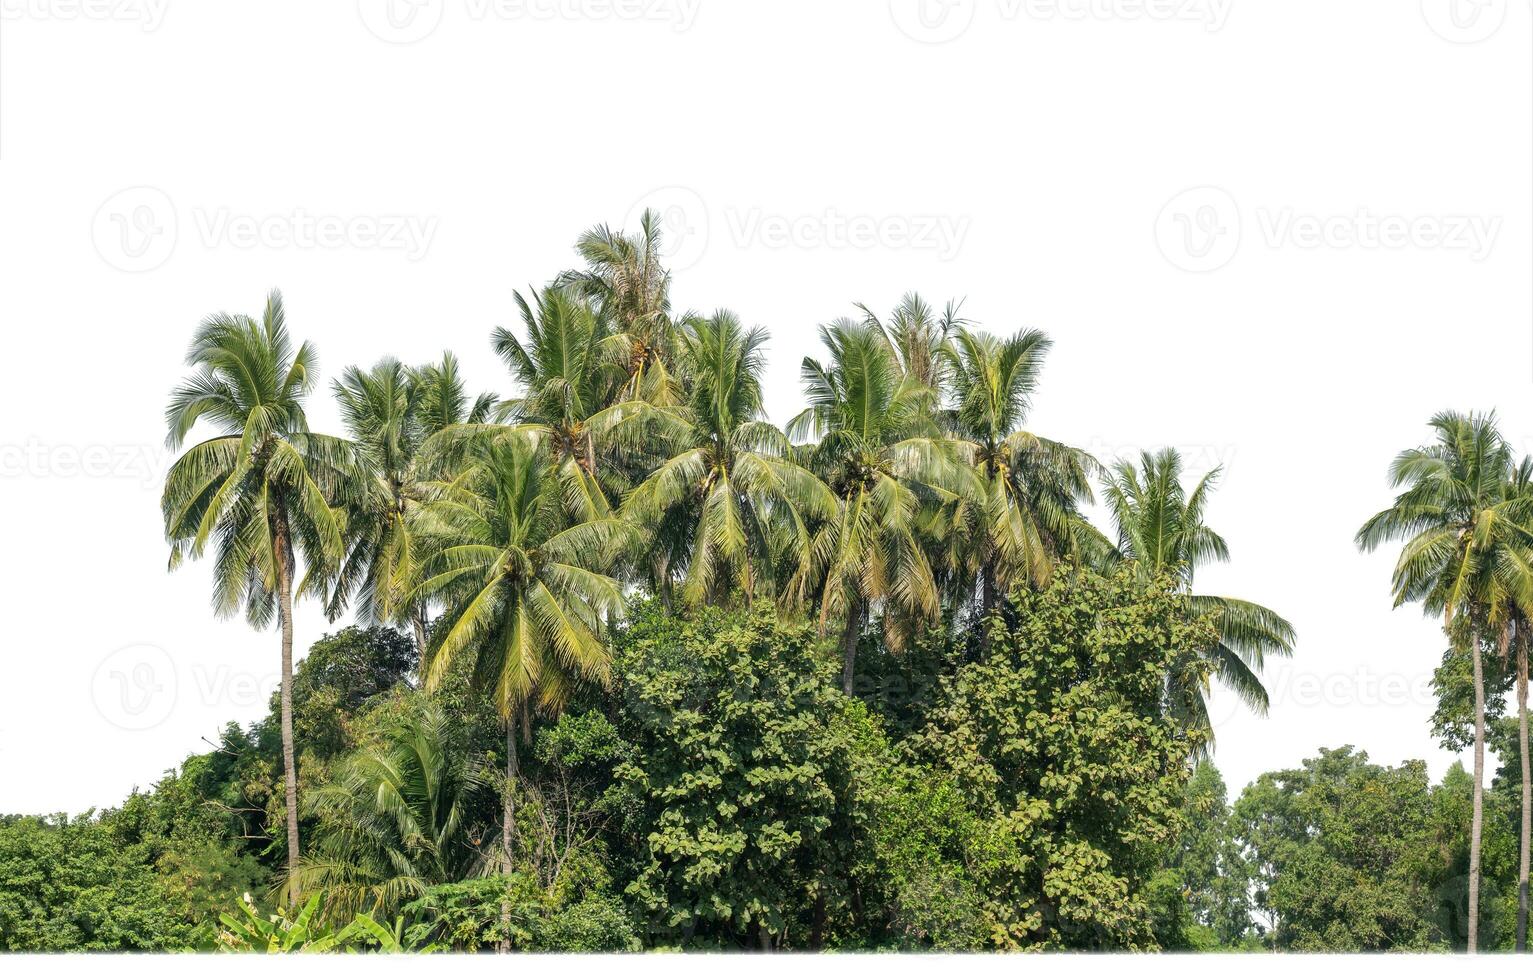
x=897 y=819
x=642 y=670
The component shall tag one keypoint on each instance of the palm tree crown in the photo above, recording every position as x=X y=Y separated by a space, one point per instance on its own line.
x=739 y=501
x=1161 y=529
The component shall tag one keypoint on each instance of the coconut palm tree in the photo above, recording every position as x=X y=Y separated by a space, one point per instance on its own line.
x=262 y=491
x=1161 y=530
x=573 y=370
x=918 y=333
x=396 y=819
x=523 y=588
x=1028 y=517
x=390 y=412
x=728 y=484
x=882 y=453
x=1515 y=632
x=625 y=278
x=1464 y=556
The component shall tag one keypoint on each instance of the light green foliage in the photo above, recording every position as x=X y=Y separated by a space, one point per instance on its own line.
x=398 y=817
x=468 y=916
x=911 y=837
x=1210 y=870
x=1057 y=741
x=71 y=885
x=736 y=773
x=1342 y=854
x=250 y=931
x=539 y=769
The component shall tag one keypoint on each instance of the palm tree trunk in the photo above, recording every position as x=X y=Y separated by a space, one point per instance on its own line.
x=1527 y=793
x=284 y=554
x=418 y=624
x=987 y=587
x=508 y=829
x=1477 y=820
x=849 y=644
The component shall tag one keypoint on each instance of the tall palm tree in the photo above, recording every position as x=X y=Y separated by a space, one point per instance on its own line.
x=1463 y=556
x=728 y=481
x=1029 y=515
x=1161 y=530
x=390 y=412
x=1516 y=632
x=524 y=594
x=624 y=276
x=918 y=332
x=396 y=820
x=262 y=491
x=573 y=369
x=881 y=452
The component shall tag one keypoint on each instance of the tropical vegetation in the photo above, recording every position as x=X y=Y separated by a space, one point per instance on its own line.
x=633 y=667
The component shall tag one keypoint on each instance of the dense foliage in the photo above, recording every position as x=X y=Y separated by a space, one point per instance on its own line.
x=634 y=668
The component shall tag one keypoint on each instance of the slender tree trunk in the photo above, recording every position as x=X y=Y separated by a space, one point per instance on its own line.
x=284 y=556
x=663 y=582
x=849 y=644
x=1479 y=791
x=987 y=587
x=418 y=624
x=508 y=828
x=1527 y=792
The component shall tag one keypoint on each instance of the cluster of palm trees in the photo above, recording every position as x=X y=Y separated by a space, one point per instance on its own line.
x=1465 y=517
x=636 y=455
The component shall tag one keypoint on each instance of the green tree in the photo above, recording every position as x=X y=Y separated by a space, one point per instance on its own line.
x=728 y=488
x=1464 y=555
x=573 y=369
x=1057 y=739
x=1210 y=871
x=1161 y=530
x=396 y=820
x=626 y=279
x=1028 y=516
x=737 y=773
x=881 y=451
x=524 y=597
x=70 y=885
x=1342 y=854
x=390 y=412
x=262 y=491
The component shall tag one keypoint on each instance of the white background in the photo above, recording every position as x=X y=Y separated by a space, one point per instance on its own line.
x=159 y=162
